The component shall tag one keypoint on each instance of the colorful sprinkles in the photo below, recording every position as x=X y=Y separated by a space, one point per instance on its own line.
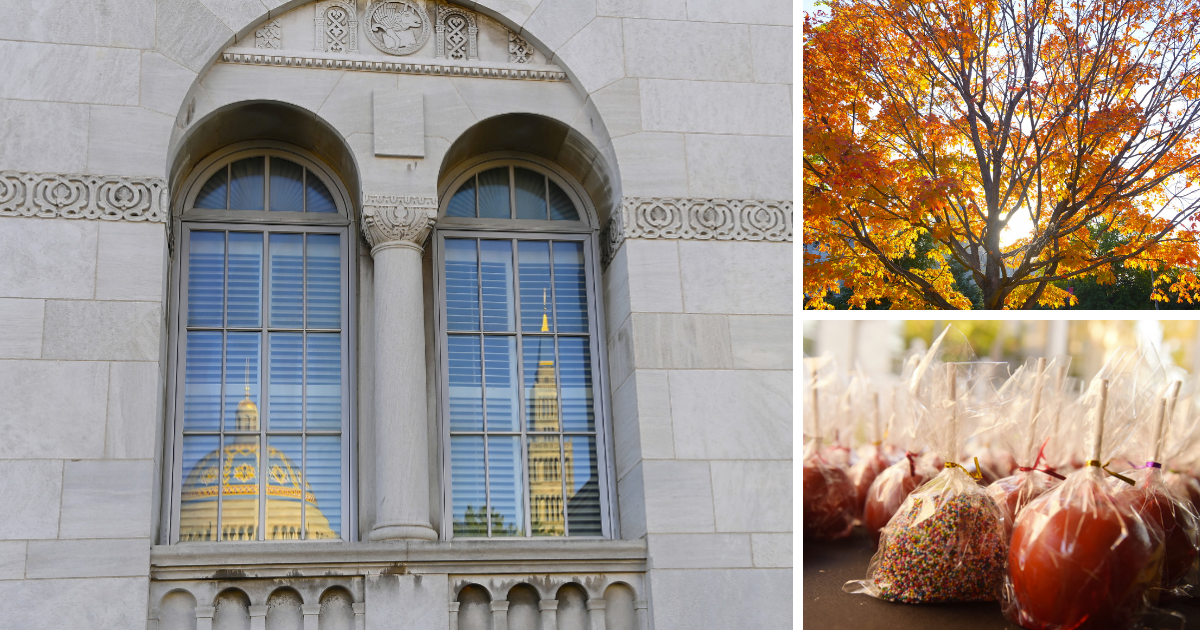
x=955 y=555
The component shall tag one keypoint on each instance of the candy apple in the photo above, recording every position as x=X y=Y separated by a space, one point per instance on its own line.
x=828 y=502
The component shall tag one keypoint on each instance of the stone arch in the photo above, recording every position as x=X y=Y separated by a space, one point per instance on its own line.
x=523 y=607
x=177 y=611
x=619 y=613
x=474 y=608
x=572 y=607
x=283 y=609
x=232 y=610
x=337 y=609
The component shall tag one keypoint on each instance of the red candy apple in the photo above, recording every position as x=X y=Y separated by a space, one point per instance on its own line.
x=828 y=502
x=862 y=474
x=1151 y=499
x=887 y=492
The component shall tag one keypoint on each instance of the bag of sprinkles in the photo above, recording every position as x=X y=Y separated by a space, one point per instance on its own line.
x=1081 y=555
x=829 y=496
x=946 y=542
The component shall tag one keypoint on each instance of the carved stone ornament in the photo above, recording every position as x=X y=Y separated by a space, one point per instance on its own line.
x=519 y=50
x=395 y=67
x=50 y=195
x=457 y=33
x=389 y=220
x=697 y=219
x=397 y=27
x=269 y=35
x=337 y=26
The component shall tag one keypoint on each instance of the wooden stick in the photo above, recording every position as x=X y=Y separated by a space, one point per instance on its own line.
x=816 y=408
x=1058 y=387
x=1170 y=400
x=878 y=424
x=951 y=388
x=1096 y=444
x=1159 y=413
x=1033 y=407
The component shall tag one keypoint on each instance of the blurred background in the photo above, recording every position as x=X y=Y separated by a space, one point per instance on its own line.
x=880 y=346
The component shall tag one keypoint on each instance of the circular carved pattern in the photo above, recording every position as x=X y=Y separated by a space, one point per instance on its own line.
x=397 y=27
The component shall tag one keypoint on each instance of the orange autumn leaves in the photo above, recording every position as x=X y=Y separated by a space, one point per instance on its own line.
x=950 y=120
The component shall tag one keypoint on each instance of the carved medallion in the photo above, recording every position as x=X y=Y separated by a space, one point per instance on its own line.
x=337 y=26
x=519 y=50
x=397 y=27
x=269 y=35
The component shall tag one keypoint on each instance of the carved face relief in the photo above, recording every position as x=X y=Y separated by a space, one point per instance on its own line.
x=397 y=27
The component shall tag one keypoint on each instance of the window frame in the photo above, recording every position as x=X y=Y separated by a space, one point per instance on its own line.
x=583 y=231
x=185 y=219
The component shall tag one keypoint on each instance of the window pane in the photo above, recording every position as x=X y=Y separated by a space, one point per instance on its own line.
x=239 y=491
x=284 y=483
x=467 y=489
x=287 y=186
x=206 y=278
x=323 y=388
x=212 y=194
x=545 y=486
x=531 y=194
x=496 y=273
x=246 y=184
x=533 y=258
x=462 y=285
x=285 y=361
x=493 y=194
x=198 y=501
x=318 y=197
x=245 y=280
x=287 y=278
x=504 y=485
x=570 y=287
x=583 y=486
x=324 y=298
x=241 y=381
x=561 y=208
x=500 y=372
x=575 y=364
x=323 y=517
x=202 y=382
x=466 y=386
x=541 y=389
x=462 y=204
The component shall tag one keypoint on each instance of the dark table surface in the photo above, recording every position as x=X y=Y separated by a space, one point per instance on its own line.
x=829 y=565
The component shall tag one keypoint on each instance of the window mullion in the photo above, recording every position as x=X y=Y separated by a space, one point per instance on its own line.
x=520 y=403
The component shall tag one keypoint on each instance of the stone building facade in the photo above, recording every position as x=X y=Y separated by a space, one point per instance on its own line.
x=396 y=314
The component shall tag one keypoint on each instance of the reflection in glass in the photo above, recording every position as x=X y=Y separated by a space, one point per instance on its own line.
x=241 y=381
x=198 y=507
x=213 y=193
x=323 y=385
x=206 y=278
x=500 y=367
x=496 y=274
x=285 y=359
x=493 y=194
x=239 y=486
x=561 y=208
x=324 y=296
x=546 y=486
x=537 y=308
x=287 y=280
x=570 y=287
x=202 y=381
x=583 y=486
x=323 y=517
x=462 y=204
x=245 y=279
x=504 y=484
x=531 y=194
x=318 y=196
x=287 y=186
x=246 y=184
x=575 y=374
x=541 y=388
x=284 y=480
x=468 y=489
x=462 y=285
x=465 y=384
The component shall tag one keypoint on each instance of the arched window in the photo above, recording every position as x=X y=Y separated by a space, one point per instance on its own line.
x=520 y=349
x=262 y=329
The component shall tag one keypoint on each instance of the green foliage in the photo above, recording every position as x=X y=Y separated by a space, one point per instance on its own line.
x=474 y=523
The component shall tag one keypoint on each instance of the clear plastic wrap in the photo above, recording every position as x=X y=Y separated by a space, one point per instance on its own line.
x=889 y=490
x=867 y=411
x=1081 y=556
x=829 y=497
x=946 y=542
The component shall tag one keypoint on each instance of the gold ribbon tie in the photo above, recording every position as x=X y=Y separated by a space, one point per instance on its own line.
x=1104 y=467
x=977 y=475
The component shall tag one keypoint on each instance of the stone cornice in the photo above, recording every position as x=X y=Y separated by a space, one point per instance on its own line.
x=367 y=64
x=70 y=196
x=697 y=219
x=391 y=220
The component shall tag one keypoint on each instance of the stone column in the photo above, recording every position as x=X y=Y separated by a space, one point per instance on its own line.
x=500 y=614
x=396 y=228
x=641 y=607
x=454 y=615
x=360 y=616
x=596 y=614
x=312 y=615
x=549 y=608
x=204 y=617
x=258 y=617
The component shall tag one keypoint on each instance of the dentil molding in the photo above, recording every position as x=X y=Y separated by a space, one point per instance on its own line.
x=394 y=67
x=697 y=219
x=112 y=198
x=391 y=220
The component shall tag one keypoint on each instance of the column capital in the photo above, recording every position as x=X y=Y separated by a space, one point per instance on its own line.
x=499 y=605
x=595 y=604
x=547 y=604
x=397 y=220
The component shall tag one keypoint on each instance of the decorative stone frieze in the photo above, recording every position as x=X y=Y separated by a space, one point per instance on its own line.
x=397 y=27
x=336 y=24
x=369 y=65
x=389 y=220
x=269 y=35
x=457 y=33
x=519 y=50
x=52 y=195
x=697 y=219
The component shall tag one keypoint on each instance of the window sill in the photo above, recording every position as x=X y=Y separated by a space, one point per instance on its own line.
x=235 y=560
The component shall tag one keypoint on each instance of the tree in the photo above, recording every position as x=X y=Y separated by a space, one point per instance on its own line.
x=475 y=523
x=953 y=118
